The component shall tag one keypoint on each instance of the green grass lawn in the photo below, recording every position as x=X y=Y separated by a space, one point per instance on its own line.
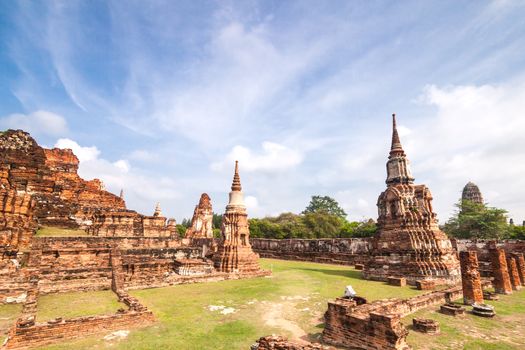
x=297 y=291
x=8 y=315
x=291 y=303
x=75 y=304
x=48 y=231
x=503 y=332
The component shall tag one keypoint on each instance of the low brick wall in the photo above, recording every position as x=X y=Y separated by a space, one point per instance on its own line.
x=376 y=326
x=350 y=251
x=59 y=330
x=344 y=251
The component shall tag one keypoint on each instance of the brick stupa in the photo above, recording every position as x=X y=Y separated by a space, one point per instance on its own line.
x=235 y=254
x=202 y=220
x=409 y=242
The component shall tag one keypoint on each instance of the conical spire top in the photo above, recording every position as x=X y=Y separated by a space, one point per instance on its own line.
x=121 y=193
x=236 y=185
x=158 y=211
x=396 y=148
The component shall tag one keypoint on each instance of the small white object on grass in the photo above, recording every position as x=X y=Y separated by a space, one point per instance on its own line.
x=349 y=292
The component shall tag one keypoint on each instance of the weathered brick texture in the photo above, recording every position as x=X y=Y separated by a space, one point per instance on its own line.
x=501 y=281
x=470 y=278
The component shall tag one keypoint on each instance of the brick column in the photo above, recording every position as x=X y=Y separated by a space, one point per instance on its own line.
x=513 y=273
x=520 y=262
x=470 y=278
x=501 y=282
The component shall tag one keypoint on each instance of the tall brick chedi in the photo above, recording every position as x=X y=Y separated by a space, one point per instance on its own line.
x=235 y=254
x=409 y=242
x=470 y=278
x=500 y=271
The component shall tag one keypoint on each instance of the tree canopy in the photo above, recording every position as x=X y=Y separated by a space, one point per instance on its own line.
x=324 y=204
x=474 y=220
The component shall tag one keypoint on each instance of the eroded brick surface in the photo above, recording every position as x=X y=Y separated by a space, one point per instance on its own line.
x=470 y=278
x=409 y=242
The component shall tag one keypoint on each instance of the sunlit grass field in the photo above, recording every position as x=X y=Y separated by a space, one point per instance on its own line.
x=233 y=314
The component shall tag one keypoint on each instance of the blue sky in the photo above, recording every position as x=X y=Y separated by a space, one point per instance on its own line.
x=159 y=98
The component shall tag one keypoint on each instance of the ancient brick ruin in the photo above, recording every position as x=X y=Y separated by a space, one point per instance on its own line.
x=513 y=273
x=123 y=249
x=500 y=271
x=376 y=326
x=50 y=177
x=235 y=253
x=202 y=220
x=472 y=193
x=409 y=242
x=470 y=278
x=520 y=262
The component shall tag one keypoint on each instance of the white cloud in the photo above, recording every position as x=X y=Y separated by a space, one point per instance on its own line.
x=141 y=190
x=142 y=155
x=36 y=123
x=273 y=157
x=475 y=135
x=251 y=202
x=83 y=154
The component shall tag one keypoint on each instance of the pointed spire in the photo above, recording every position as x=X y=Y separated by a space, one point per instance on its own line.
x=158 y=211
x=236 y=185
x=396 y=148
x=121 y=193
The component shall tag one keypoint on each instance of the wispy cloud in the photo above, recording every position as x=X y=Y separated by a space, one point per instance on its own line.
x=36 y=123
x=299 y=92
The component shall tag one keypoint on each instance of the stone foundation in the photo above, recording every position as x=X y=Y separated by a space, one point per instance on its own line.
x=452 y=309
x=424 y=325
x=41 y=334
x=276 y=342
x=376 y=325
x=397 y=281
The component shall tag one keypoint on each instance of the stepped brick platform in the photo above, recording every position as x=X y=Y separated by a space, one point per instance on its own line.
x=409 y=242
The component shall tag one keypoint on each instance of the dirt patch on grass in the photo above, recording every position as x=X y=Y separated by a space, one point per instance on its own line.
x=275 y=317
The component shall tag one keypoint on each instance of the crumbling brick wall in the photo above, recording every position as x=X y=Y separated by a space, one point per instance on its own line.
x=54 y=331
x=376 y=326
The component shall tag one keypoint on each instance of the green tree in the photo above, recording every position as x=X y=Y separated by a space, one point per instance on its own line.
x=322 y=225
x=325 y=204
x=356 y=229
x=517 y=232
x=474 y=220
x=216 y=221
x=186 y=222
x=181 y=229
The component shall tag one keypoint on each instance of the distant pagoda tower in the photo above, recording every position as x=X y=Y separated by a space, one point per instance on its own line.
x=409 y=242
x=235 y=254
x=202 y=220
x=158 y=211
x=472 y=193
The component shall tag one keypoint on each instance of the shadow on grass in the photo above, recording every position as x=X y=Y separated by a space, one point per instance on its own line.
x=345 y=273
